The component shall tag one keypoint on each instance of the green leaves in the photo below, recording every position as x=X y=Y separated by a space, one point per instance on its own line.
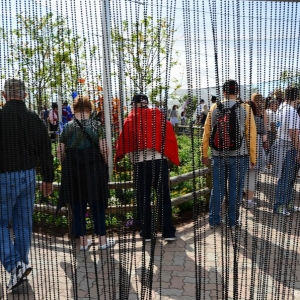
x=146 y=51
x=45 y=53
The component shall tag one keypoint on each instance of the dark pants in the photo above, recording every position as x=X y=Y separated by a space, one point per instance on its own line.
x=153 y=175
x=271 y=140
x=79 y=218
x=53 y=128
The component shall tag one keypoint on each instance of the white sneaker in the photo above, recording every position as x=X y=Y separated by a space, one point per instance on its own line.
x=89 y=242
x=294 y=208
x=109 y=243
x=170 y=239
x=249 y=204
x=18 y=275
x=283 y=211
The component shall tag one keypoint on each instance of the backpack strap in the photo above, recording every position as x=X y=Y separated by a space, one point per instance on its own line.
x=86 y=134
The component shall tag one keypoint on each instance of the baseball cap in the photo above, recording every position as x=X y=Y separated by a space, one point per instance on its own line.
x=140 y=98
x=14 y=88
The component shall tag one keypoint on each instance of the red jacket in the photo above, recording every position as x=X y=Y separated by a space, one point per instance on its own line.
x=147 y=128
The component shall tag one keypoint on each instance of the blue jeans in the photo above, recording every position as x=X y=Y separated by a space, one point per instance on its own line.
x=16 y=204
x=233 y=170
x=153 y=175
x=285 y=184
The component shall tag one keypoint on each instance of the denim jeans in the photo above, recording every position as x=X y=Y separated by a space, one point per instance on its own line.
x=232 y=170
x=153 y=175
x=16 y=205
x=285 y=184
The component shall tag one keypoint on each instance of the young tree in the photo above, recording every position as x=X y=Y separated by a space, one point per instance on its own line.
x=145 y=53
x=45 y=53
x=291 y=78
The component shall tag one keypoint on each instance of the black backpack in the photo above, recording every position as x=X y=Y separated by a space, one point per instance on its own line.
x=226 y=133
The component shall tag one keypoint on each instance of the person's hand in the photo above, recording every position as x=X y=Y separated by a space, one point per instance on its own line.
x=206 y=161
x=252 y=165
x=46 y=188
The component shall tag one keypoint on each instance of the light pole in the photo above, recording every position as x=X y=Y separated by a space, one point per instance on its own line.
x=107 y=89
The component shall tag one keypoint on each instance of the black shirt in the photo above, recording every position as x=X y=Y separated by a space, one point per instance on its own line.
x=24 y=141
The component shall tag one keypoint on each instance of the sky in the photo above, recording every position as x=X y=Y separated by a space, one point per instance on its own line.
x=252 y=41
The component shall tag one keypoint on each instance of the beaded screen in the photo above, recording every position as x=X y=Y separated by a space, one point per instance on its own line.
x=149 y=149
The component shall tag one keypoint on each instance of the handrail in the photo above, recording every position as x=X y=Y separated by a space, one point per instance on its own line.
x=129 y=184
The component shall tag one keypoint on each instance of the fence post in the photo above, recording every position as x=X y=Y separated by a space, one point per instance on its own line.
x=208 y=183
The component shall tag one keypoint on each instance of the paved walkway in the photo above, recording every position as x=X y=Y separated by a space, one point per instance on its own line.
x=259 y=261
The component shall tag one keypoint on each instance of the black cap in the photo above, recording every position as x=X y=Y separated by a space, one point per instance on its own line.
x=140 y=98
x=231 y=87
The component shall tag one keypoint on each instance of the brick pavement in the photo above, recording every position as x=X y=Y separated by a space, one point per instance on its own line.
x=258 y=261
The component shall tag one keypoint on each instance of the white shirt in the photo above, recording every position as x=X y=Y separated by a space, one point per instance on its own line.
x=147 y=154
x=199 y=109
x=271 y=115
x=287 y=118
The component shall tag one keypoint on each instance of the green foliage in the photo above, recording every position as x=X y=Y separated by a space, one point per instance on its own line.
x=45 y=53
x=191 y=107
x=145 y=49
x=291 y=77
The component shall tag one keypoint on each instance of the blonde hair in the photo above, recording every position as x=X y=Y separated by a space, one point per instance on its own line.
x=82 y=104
x=256 y=97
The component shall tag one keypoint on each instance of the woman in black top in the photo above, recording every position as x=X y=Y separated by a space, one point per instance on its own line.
x=82 y=150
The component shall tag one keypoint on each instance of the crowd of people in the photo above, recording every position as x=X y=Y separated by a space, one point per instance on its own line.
x=245 y=138
x=261 y=135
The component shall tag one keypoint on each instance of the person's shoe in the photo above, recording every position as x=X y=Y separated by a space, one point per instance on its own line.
x=283 y=211
x=88 y=244
x=109 y=243
x=171 y=238
x=249 y=204
x=292 y=208
x=18 y=275
x=147 y=240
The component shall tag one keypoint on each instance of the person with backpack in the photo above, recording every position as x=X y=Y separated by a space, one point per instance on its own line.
x=230 y=131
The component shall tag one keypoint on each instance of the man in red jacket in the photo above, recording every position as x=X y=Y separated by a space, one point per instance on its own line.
x=149 y=140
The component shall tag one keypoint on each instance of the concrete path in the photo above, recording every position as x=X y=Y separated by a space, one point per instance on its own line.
x=260 y=260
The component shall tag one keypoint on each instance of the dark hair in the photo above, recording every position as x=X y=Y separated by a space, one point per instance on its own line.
x=253 y=106
x=140 y=98
x=54 y=105
x=202 y=101
x=271 y=102
x=268 y=101
x=230 y=87
x=213 y=99
x=291 y=93
x=174 y=107
x=182 y=113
